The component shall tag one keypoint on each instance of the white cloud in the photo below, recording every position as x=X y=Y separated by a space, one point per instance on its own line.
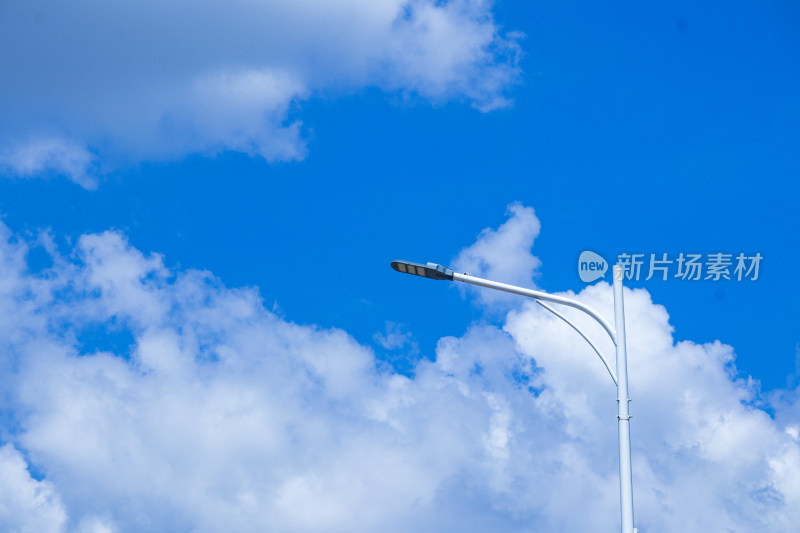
x=96 y=85
x=94 y=524
x=503 y=255
x=396 y=337
x=41 y=156
x=26 y=505
x=225 y=417
x=699 y=445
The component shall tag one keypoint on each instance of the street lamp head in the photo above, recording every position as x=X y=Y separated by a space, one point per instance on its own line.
x=431 y=270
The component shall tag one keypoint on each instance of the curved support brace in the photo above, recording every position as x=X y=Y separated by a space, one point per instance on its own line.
x=568 y=321
x=539 y=295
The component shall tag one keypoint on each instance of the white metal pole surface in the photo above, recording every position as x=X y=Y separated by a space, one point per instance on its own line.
x=623 y=411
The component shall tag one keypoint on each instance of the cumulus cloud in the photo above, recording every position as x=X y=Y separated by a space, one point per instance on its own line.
x=222 y=416
x=503 y=254
x=26 y=505
x=699 y=443
x=92 y=85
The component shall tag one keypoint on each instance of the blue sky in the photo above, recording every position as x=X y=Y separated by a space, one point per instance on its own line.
x=292 y=153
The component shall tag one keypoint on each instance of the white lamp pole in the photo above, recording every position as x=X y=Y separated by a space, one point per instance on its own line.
x=623 y=411
x=617 y=334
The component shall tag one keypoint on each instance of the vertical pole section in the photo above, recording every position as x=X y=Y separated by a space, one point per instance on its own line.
x=623 y=412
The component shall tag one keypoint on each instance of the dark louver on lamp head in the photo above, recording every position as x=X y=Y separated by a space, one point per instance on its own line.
x=431 y=270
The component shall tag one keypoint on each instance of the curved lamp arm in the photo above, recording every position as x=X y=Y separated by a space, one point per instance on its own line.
x=568 y=321
x=539 y=295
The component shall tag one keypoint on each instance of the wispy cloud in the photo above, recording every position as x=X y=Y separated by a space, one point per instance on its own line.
x=223 y=416
x=45 y=156
x=395 y=337
x=127 y=82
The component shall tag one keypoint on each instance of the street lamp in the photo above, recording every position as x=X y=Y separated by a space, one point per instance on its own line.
x=617 y=334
